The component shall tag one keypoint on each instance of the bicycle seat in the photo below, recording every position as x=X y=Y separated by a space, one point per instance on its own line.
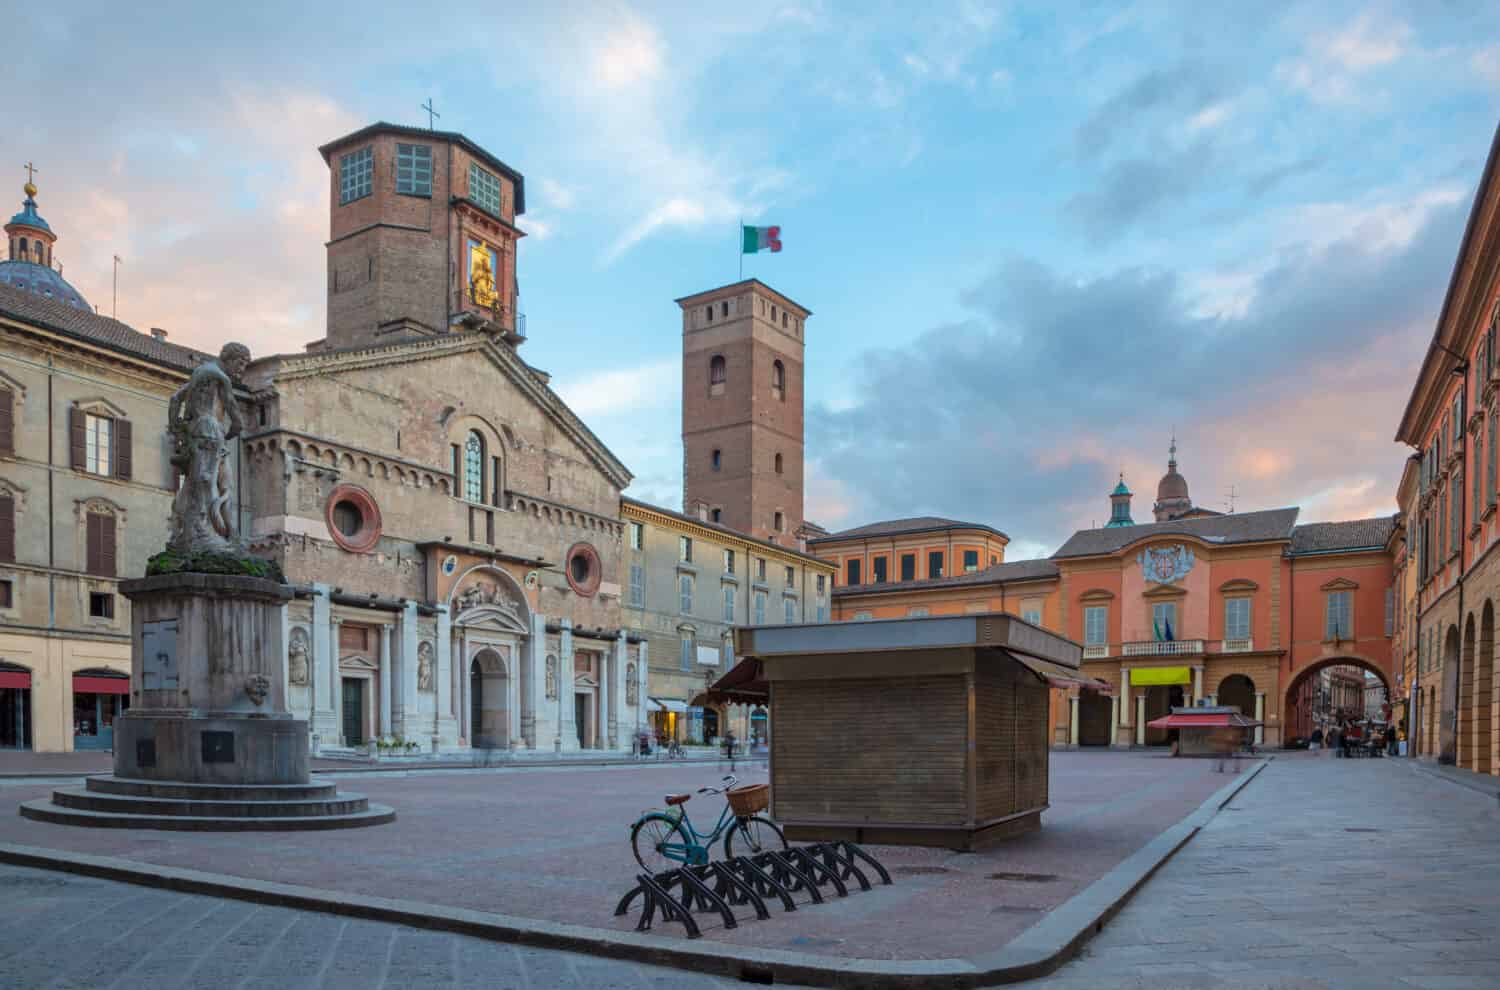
x=678 y=798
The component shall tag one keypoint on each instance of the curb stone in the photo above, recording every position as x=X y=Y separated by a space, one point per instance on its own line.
x=360 y=767
x=1037 y=951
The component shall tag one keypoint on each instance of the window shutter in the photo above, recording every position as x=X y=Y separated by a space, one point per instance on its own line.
x=77 y=442
x=91 y=543
x=8 y=528
x=7 y=422
x=107 y=546
x=122 y=448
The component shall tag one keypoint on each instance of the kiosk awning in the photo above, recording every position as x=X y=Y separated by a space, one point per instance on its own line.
x=745 y=684
x=668 y=705
x=1203 y=720
x=1060 y=675
x=101 y=685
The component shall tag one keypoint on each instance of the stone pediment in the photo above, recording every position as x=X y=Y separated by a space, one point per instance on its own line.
x=358 y=663
x=464 y=347
x=489 y=599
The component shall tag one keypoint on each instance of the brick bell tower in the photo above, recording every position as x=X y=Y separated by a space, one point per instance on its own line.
x=742 y=347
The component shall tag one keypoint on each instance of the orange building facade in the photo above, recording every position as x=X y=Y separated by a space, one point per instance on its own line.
x=1452 y=421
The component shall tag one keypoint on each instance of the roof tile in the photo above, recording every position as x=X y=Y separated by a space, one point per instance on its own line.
x=30 y=308
x=1243 y=527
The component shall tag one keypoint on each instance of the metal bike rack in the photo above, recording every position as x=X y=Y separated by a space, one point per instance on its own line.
x=750 y=881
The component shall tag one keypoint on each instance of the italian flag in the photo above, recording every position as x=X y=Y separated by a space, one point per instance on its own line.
x=757 y=239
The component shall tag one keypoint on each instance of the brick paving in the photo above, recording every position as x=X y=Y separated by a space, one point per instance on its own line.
x=553 y=844
x=63 y=931
x=1323 y=874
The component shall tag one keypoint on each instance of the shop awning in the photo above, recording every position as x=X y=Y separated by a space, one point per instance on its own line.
x=1203 y=720
x=100 y=685
x=15 y=678
x=1154 y=676
x=745 y=684
x=668 y=705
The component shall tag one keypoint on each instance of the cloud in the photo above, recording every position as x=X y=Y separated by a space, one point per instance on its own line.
x=1020 y=413
x=1331 y=68
x=555 y=194
x=1486 y=62
x=1137 y=188
x=622 y=390
x=1189 y=87
x=629 y=54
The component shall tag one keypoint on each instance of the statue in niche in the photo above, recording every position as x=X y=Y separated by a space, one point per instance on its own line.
x=202 y=417
x=551 y=676
x=632 y=690
x=296 y=657
x=424 y=666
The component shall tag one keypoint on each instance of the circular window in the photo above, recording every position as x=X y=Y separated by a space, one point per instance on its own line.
x=583 y=569
x=353 y=519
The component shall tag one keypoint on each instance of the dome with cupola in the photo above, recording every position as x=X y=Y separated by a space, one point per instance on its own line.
x=30 y=265
x=1172 y=500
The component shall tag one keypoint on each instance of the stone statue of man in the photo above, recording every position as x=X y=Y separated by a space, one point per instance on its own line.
x=202 y=417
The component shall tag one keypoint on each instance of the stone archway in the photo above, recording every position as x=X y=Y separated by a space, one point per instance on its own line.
x=489 y=701
x=1297 y=721
x=1484 y=692
x=1238 y=690
x=1463 y=742
x=1447 y=707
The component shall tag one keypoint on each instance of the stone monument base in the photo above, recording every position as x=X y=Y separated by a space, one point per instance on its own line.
x=115 y=802
x=230 y=749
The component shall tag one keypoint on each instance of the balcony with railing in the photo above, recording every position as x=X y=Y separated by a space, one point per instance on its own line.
x=1162 y=648
x=1237 y=645
x=1098 y=651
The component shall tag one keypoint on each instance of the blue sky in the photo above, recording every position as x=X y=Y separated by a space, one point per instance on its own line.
x=1035 y=237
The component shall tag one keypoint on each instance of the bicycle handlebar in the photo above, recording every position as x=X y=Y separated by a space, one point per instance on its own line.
x=729 y=781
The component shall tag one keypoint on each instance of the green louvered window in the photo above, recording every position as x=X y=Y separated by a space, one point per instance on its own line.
x=356 y=175
x=484 y=189
x=414 y=169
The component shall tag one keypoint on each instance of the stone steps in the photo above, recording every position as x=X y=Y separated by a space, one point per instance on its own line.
x=44 y=810
x=88 y=800
x=210 y=792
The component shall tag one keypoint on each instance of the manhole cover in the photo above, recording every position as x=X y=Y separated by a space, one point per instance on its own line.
x=1025 y=877
x=920 y=871
x=1361 y=830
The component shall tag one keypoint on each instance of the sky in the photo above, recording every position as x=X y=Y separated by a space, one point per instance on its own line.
x=1037 y=239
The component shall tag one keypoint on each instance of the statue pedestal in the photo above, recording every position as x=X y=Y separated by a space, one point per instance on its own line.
x=208 y=742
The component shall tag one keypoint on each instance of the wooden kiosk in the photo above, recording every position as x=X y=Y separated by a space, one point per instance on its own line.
x=928 y=731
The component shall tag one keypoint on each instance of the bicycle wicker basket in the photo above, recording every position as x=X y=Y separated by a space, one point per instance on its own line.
x=747 y=800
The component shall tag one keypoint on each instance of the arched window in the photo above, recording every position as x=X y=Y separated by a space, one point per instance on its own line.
x=779 y=522
x=474 y=467
x=718 y=458
x=25 y=250
x=717 y=373
x=778 y=379
x=778 y=463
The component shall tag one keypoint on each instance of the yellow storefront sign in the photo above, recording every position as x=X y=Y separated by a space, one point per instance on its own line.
x=1152 y=676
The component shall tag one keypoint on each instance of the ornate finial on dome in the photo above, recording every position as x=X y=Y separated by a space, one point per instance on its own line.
x=30 y=187
x=1172 y=450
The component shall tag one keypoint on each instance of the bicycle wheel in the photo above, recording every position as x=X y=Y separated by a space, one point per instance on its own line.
x=660 y=844
x=750 y=836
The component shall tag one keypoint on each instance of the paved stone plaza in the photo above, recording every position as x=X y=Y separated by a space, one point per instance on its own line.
x=1273 y=893
x=553 y=844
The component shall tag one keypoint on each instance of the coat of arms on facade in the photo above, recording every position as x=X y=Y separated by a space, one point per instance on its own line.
x=1166 y=565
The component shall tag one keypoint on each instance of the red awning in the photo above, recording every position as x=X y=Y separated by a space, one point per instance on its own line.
x=101 y=685
x=1203 y=720
x=15 y=678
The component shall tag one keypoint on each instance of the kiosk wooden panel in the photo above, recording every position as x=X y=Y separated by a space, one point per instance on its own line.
x=929 y=731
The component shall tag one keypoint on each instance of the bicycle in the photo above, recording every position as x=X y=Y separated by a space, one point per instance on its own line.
x=665 y=840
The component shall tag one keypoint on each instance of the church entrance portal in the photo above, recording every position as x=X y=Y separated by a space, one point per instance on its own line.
x=581 y=719
x=489 y=699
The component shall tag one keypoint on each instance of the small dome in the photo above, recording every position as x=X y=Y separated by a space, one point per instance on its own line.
x=1120 y=489
x=28 y=216
x=1171 y=486
x=43 y=281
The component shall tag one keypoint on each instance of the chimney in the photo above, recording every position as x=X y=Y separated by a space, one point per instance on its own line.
x=158 y=333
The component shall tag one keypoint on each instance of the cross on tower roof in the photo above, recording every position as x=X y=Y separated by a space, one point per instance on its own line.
x=431 y=114
x=31 y=171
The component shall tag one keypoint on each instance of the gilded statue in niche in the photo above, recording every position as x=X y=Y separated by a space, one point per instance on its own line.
x=424 y=666
x=482 y=275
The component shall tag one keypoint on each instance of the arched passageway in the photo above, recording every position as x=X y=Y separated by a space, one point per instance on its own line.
x=1312 y=700
x=1484 y=693
x=489 y=714
x=1093 y=719
x=1238 y=690
x=15 y=706
x=1447 y=706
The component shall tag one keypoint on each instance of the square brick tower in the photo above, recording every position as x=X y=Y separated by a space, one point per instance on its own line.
x=422 y=236
x=742 y=409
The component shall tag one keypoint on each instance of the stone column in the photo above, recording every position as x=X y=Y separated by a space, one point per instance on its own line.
x=405 y=697
x=445 y=726
x=567 y=728
x=1125 y=698
x=1114 y=722
x=1073 y=721
x=617 y=727
x=605 y=713
x=335 y=696
x=321 y=719
x=513 y=700
x=536 y=666
x=1197 y=683
x=465 y=704
x=1260 y=716
x=641 y=662
x=1140 y=719
x=385 y=680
